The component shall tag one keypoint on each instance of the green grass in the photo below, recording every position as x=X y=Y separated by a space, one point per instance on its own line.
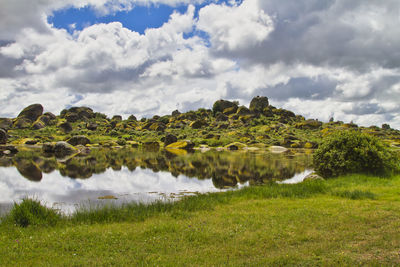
x=348 y=221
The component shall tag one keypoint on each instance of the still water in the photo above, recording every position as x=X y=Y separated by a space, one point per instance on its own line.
x=123 y=175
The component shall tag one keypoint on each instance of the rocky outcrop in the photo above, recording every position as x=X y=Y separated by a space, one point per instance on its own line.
x=221 y=105
x=77 y=114
x=32 y=112
x=258 y=104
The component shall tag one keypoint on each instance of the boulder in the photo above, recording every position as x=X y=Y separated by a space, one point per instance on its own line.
x=175 y=113
x=198 y=124
x=3 y=136
x=32 y=112
x=72 y=117
x=91 y=126
x=169 y=139
x=5 y=123
x=221 y=117
x=258 y=104
x=132 y=118
x=64 y=149
x=22 y=123
x=47 y=118
x=117 y=118
x=78 y=140
x=157 y=126
x=242 y=110
x=31 y=142
x=229 y=111
x=38 y=125
x=221 y=105
x=187 y=144
x=48 y=148
x=65 y=127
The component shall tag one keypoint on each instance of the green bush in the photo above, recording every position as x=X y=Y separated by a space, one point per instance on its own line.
x=31 y=212
x=354 y=152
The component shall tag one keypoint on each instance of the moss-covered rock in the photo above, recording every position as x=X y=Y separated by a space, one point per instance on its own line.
x=32 y=112
x=242 y=110
x=3 y=136
x=5 y=123
x=258 y=104
x=22 y=123
x=309 y=124
x=78 y=140
x=65 y=127
x=187 y=144
x=221 y=105
x=198 y=124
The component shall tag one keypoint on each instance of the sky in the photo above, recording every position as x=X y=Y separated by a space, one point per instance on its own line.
x=318 y=58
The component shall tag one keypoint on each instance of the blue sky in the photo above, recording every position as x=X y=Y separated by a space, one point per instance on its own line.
x=138 y=19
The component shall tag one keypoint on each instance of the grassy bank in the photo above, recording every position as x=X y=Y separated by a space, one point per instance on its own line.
x=350 y=220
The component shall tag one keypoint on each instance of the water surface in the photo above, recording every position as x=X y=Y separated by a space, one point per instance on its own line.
x=122 y=175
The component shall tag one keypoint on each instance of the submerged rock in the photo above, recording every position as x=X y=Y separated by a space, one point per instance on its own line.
x=277 y=149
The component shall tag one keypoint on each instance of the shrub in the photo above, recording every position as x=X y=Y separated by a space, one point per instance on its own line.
x=31 y=212
x=354 y=152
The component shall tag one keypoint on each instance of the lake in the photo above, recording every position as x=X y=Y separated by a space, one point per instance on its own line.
x=118 y=175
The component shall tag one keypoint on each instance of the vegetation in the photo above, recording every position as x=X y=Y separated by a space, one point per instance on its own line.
x=311 y=224
x=354 y=152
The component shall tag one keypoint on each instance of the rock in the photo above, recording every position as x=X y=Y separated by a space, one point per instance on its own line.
x=309 y=124
x=242 y=110
x=3 y=136
x=175 y=113
x=117 y=118
x=72 y=117
x=169 y=139
x=157 y=126
x=37 y=125
x=197 y=124
x=221 y=105
x=313 y=176
x=235 y=146
x=229 y=111
x=65 y=127
x=221 y=117
x=22 y=123
x=258 y=104
x=5 y=123
x=48 y=148
x=64 y=149
x=10 y=149
x=187 y=144
x=277 y=149
x=91 y=126
x=151 y=146
x=47 y=118
x=132 y=118
x=232 y=147
x=29 y=170
x=79 y=140
x=32 y=112
x=31 y=142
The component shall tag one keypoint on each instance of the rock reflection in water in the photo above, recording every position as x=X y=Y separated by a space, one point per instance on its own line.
x=226 y=169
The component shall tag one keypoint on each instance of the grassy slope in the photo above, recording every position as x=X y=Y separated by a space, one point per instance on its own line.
x=251 y=229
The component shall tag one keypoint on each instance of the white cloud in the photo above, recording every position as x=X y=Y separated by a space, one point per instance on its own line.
x=235 y=27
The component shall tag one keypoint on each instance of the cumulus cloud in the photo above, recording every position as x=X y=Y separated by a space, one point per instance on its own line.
x=319 y=58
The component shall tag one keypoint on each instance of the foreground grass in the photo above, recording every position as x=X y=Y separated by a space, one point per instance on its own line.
x=351 y=220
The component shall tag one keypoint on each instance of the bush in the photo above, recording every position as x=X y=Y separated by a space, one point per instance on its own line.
x=354 y=152
x=31 y=212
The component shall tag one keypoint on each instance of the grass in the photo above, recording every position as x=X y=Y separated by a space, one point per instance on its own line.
x=351 y=220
